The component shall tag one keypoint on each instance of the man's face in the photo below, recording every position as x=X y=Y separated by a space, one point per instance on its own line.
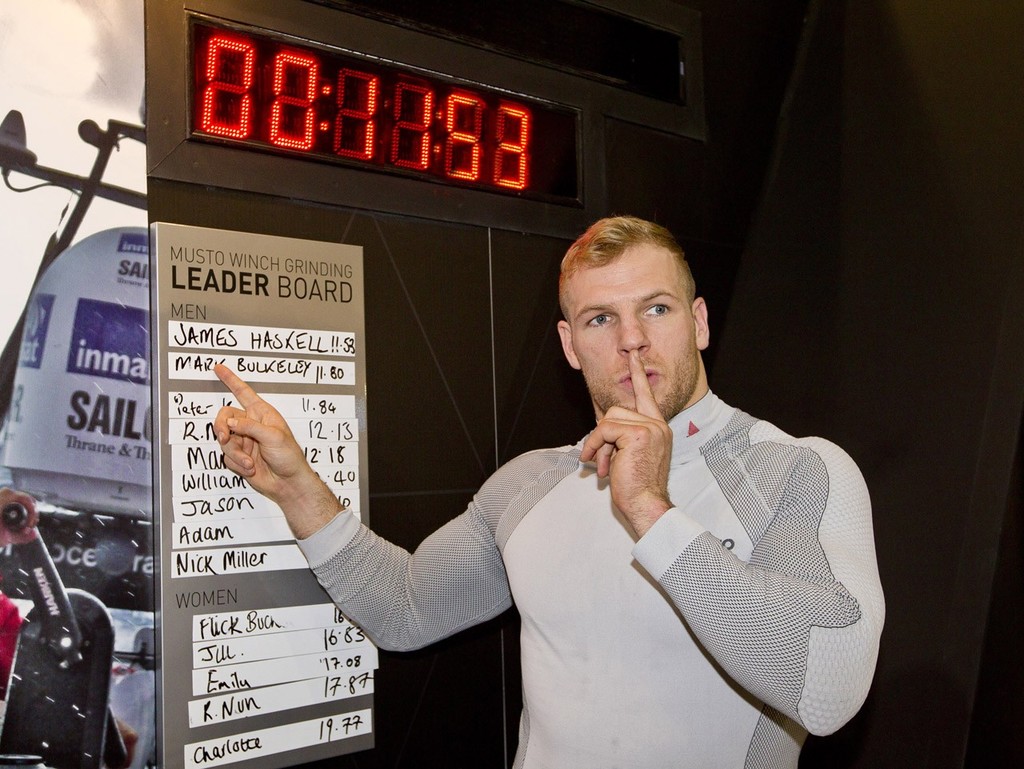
x=637 y=302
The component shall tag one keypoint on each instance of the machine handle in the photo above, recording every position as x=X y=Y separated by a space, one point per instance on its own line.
x=14 y=516
x=58 y=627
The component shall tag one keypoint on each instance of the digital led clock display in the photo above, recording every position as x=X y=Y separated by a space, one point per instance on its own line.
x=254 y=90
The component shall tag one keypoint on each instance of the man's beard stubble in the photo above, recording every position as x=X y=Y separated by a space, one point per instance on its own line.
x=682 y=381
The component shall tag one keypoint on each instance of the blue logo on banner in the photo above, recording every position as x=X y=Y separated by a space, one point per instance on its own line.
x=110 y=340
x=33 y=339
x=133 y=243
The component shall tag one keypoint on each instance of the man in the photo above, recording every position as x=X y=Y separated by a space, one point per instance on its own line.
x=697 y=588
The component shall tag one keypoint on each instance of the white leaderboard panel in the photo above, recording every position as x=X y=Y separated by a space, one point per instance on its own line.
x=257 y=667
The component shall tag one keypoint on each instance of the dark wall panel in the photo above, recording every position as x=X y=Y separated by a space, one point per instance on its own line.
x=878 y=303
x=541 y=401
x=999 y=708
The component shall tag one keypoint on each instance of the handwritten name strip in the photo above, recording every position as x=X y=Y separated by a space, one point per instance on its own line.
x=208 y=458
x=245 y=504
x=202 y=534
x=195 y=405
x=215 y=506
x=342 y=481
x=199 y=367
x=309 y=431
x=225 y=336
x=213 y=562
x=272 y=620
x=273 y=699
x=277 y=739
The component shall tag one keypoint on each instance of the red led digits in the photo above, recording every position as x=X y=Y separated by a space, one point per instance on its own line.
x=511 y=160
x=256 y=90
x=356 y=126
x=410 y=139
x=292 y=118
x=464 y=125
x=227 y=100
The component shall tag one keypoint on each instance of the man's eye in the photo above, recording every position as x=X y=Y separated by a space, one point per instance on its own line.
x=658 y=309
x=599 y=320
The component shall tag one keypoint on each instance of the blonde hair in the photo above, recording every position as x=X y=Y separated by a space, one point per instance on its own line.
x=607 y=239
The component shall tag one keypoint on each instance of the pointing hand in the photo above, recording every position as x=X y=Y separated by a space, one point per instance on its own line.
x=258 y=445
x=634 y=449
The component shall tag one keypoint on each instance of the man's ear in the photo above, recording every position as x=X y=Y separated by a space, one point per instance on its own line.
x=702 y=332
x=565 y=332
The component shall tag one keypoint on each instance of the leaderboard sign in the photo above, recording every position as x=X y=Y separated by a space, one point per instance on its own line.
x=257 y=667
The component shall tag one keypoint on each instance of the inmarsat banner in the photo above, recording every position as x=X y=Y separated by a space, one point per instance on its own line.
x=258 y=667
